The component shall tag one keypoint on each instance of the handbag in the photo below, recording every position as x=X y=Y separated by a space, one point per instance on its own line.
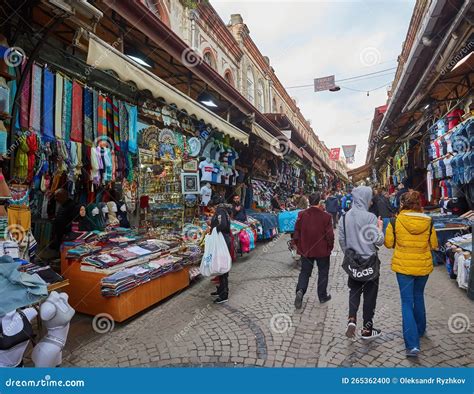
x=358 y=268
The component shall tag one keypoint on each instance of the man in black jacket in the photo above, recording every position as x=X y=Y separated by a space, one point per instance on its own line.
x=384 y=207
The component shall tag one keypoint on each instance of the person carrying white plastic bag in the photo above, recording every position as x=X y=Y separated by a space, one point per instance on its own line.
x=216 y=259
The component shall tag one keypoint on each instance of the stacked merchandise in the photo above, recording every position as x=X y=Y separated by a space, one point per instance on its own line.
x=262 y=193
x=45 y=272
x=458 y=259
x=268 y=222
x=451 y=155
x=129 y=278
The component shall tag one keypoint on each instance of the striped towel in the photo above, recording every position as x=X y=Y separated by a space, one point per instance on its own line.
x=110 y=118
x=58 y=106
x=48 y=104
x=101 y=117
x=115 y=109
x=77 y=115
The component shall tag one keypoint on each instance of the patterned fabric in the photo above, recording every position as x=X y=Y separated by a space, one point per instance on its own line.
x=32 y=142
x=88 y=117
x=77 y=115
x=115 y=109
x=25 y=102
x=132 y=128
x=48 y=104
x=58 y=106
x=95 y=107
x=110 y=118
x=66 y=115
x=123 y=124
x=35 y=103
x=101 y=117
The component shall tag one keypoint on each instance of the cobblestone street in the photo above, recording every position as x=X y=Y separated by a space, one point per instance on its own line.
x=260 y=327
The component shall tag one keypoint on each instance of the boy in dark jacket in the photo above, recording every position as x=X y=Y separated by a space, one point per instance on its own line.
x=314 y=238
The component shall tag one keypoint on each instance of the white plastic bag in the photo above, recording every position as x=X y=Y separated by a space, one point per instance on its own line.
x=216 y=259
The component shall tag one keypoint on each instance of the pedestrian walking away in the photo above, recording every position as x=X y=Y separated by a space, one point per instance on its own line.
x=332 y=207
x=314 y=238
x=221 y=221
x=413 y=236
x=360 y=232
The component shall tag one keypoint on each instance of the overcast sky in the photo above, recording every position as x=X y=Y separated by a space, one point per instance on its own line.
x=309 y=39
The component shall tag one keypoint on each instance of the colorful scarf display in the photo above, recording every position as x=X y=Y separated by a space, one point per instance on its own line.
x=101 y=116
x=48 y=104
x=77 y=115
x=116 y=122
x=35 y=103
x=58 y=106
x=110 y=117
x=66 y=115
x=88 y=117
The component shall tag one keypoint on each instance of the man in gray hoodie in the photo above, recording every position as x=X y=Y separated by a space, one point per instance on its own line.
x=361 y=231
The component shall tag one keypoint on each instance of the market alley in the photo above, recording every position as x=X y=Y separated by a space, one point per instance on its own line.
x=260 y=327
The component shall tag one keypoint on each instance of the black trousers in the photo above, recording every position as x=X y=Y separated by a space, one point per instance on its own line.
x=307 y=265
x=223 y=288
x=370 y=290
x=334 y=219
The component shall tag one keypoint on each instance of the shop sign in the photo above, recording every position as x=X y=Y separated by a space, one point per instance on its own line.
x=334 y=154
x=324 y=83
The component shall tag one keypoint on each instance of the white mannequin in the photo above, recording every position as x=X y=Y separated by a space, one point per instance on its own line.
x=206 y=194
x=112 y=216
x=123 y=208
x=95 y=211
x=56 y=314
x=12 y=324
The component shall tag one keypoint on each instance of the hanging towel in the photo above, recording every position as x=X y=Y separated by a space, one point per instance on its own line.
x=132 y=128
x=77 y=115
x=67 y=102
x=35 y=104
x=95 y=108
x=101 y=117
x=123 y=125
x=116 y=122
x=58 y=106
x=25 y=102
x=48 y=104
x=88 y=120
x=110 y=117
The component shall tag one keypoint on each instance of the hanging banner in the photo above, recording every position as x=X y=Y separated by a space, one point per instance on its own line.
x=349 y=151
x=334 y=154
x=350 y=160
x=324 y=83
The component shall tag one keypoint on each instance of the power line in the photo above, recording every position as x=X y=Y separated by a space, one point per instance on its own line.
x=360 y=77
x=366 y=91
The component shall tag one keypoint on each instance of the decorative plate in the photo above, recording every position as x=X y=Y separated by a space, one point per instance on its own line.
x=194 y=147
x=167 y=136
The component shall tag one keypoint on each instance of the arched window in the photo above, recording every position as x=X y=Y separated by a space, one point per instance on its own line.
x=209 y=58
x=260 y=96
x=159 y=10
x=250 y=86
x=281 y=109
x=274 y=105
x=229 y=77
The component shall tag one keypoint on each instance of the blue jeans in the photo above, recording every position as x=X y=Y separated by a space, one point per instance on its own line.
x=413 y=308
x=386 y=221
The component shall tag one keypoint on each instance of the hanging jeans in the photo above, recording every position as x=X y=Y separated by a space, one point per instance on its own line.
x=370 y=290
x=413 y=308
x=307 y=265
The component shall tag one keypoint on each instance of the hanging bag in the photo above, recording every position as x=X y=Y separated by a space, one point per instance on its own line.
x=216 y=259
x=357 y=267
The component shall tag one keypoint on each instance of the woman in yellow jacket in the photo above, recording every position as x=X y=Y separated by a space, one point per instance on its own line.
x=413 y=239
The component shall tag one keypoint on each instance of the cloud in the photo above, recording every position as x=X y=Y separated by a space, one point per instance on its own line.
x=309 y=39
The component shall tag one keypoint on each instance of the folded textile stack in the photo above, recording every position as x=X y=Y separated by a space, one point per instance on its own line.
x=46 y=272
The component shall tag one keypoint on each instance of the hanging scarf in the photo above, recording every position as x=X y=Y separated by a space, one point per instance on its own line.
x=123 y=125
x=67 y=102
x=21 y=159
x=95 y=115
x=116 y=122
x=25 y=102
x=48 y=104
x=32 y=142
x=129 y=168
x=58 y=106
x=95 y=166
x=108 y=165
x=132 y=128
x=77 y=115
x=110 y=117
x=101 y=117
x=35 y=103
x=88 y=117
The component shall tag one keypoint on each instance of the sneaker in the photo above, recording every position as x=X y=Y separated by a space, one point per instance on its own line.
x=372 y=333
x=221 y=300
x=299 y=299
x=214 y=293
x=323 y=301
x=351 y=330
x=413 y=352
